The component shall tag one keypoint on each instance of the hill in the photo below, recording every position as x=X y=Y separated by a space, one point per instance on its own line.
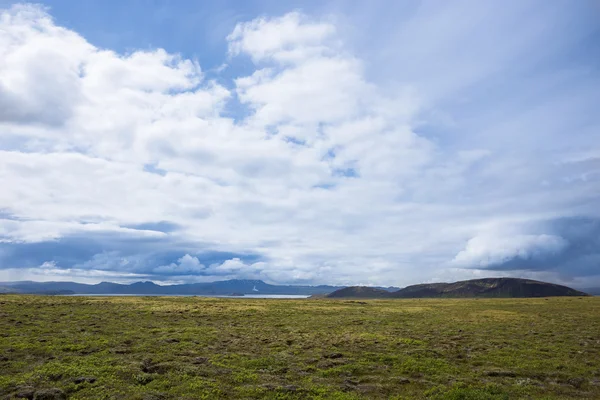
x=361 y=292
x=487 y=287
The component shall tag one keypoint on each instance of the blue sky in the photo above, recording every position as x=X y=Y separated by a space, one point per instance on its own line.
x=384 y=143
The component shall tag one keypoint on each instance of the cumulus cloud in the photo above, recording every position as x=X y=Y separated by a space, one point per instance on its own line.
x=186 y=265
x=570 y=253
x=482 y=251
x=40 y=68
x=290 y=38
x=132 y=165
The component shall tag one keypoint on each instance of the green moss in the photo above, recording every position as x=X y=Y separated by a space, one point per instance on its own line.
x=199 y=348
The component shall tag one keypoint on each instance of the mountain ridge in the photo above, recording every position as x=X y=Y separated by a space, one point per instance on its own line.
x=226 y=287
x=485 y=287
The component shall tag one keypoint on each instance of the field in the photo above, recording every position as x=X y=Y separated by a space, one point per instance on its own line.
x=200 y=348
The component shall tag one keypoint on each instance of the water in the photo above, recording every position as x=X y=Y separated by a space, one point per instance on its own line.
x=247 y=296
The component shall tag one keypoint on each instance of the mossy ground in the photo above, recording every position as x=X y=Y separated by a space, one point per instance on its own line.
x=202 y=348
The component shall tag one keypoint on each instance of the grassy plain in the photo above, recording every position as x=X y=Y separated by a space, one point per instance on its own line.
x=200 y=348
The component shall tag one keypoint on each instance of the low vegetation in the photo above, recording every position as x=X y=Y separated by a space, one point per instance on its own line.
x=54 y=347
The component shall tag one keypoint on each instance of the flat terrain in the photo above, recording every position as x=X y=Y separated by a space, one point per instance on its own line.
x=200 y=348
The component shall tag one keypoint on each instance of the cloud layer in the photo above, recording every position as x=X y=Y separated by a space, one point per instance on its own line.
x=306 y=168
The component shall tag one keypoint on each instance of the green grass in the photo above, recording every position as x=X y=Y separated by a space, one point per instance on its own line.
x=200 y=348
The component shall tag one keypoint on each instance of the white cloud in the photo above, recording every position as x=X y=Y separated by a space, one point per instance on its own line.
x=485 y=251
x=326 y=174
x=46 y=273
x=40 y=65
x=291 y=37
x=186 y=265
x=322 y=89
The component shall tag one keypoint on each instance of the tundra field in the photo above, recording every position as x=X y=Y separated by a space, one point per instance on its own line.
x=204 y=348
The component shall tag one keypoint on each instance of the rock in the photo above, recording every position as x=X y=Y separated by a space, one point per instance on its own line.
x=289 y=388
x=334 y=355
x=50 y=394
x=200 y=360
x=403 y=381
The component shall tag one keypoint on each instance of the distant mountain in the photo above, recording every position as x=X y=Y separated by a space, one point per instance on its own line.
x=488 y=287
x=234 y=286
x=7 y=289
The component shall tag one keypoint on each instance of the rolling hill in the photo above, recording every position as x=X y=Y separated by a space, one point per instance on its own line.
x=360 y=292
x=487 y=287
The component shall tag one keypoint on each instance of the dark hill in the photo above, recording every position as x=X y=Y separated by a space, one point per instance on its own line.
x=360 y=292
x=488 y=287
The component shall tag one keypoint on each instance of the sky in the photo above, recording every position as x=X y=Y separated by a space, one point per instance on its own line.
x=300 y=142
